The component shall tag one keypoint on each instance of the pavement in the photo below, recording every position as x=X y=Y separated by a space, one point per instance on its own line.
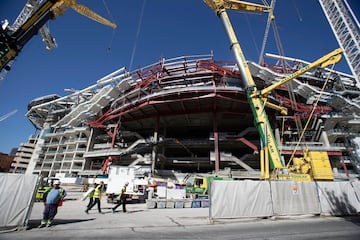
x=141 y=222
x=72 y=219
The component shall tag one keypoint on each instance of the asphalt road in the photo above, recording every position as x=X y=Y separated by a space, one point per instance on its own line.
x=140 y=222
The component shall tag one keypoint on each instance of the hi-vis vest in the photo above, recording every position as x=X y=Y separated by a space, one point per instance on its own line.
x=61 y=192
x=97 y=191
x=91 y=195
x=123 y=190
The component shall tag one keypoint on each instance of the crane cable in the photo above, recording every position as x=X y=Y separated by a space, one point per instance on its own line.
x=137 y=35
x=112 y=19
x=310 y=116
x=271 y=22
x=252 y=34
x=266 y=34
x=297 y=10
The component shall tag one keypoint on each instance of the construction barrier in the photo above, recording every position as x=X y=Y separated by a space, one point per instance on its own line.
x=17 y=193
x=338 y=198
x=294 y=198
x=244 y=199
x=234 y=199
x=356 y=186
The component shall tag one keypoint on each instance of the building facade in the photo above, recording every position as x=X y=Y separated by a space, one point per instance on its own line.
x=191 y=114
x=24 y=154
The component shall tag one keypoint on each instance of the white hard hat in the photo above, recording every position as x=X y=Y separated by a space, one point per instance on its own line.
x=56 y=182
x=126 y=183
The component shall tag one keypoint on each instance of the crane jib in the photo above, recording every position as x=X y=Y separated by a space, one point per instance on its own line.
x=37 y=15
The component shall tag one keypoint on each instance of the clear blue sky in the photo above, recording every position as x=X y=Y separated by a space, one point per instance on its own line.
x=88 y=50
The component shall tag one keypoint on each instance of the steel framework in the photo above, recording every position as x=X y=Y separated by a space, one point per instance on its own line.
x=346 y=29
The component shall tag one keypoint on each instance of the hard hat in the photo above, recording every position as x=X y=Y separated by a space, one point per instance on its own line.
x=56 y=182
x=126 y=183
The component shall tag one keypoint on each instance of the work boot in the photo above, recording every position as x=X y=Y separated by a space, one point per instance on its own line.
x=113 y=210
x=87 y=211
x=42 y=224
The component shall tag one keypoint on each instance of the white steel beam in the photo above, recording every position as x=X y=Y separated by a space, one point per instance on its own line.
x=345 y=26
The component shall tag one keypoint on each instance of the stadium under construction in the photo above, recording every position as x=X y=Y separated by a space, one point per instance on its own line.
x=196 y=114
x=191 y=114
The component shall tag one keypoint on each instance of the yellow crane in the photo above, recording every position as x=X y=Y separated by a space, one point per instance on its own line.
x=303 y=168
x=61 y=6
x=12 y=40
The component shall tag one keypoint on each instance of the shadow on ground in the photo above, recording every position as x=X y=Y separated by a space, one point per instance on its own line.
x=36 y=222
x=354 y=219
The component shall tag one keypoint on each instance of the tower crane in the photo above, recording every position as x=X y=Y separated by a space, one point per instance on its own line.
x=31 y=20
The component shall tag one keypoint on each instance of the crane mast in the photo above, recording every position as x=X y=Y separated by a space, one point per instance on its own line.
x=270 y=153
x=262 y=123
x=345 y=27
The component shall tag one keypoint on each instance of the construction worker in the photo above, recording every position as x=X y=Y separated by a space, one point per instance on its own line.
x=122 y=198
x=91 y=196
x=96 y=198
x=52 y=199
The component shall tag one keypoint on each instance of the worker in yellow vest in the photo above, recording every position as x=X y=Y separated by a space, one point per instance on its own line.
x=96 y=198
x=52 y=200
x=122 y=198
x=91 y=196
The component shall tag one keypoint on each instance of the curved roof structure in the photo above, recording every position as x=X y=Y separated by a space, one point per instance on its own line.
x=190 y=111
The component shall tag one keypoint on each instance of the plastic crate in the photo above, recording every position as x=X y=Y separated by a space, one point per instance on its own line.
x=161 y=204
x=187 y=203
x=196 y=204
x=205 y=203
x=170 y=204
x=179 y=204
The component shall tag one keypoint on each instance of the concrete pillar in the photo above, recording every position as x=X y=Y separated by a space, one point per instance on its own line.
x=324 y=138
x=216 y=145
x=155 y=148
x=90 y=142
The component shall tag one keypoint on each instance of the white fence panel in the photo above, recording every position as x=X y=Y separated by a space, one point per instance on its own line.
x=356 y=186
x=16 y=195
x=241 y=199
x=338 y=198
x=294 y=198
x=234 y=199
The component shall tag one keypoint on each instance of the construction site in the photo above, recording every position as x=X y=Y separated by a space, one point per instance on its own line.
x=191 y=114
x=282 y=123
x=187 y=114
